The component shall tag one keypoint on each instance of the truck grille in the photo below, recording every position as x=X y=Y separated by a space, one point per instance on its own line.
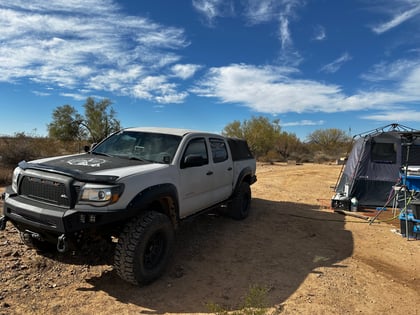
x=45 y=190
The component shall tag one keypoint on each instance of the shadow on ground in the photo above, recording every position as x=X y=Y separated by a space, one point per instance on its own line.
x=217 y=260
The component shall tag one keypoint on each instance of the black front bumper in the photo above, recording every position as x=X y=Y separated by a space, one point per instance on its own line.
x=52 y=221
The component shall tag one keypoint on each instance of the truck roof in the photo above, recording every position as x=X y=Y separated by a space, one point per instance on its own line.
x=172 y=131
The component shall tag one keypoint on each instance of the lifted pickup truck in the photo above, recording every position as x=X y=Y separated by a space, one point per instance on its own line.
x=136 y=186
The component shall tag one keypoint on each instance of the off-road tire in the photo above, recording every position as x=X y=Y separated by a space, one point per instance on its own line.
x=144 y=248
x=241 y=202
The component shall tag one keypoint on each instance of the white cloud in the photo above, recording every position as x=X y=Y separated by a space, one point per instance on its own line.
x=68 y=6
x=274 y=90
x=212 y=9
x=395 y=116
x=185 y=71
x=284 y=32
x=39 y=93
x=88 y=44
x=261 y=11
x=319 y=33
x=75 y=96
x=400 y=17
x=157 y=88
x=336 y=64
x=304 y=122
x=405 y=73
x=281 y=12
x=269 y=90
x=391 y=71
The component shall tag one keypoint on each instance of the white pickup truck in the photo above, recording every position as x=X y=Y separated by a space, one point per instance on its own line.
x=136 y=186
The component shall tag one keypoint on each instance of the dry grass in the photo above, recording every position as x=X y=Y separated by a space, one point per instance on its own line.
x=22 y=147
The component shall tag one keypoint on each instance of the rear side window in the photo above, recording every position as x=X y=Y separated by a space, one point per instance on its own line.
x=239 y=149
x=218 y=150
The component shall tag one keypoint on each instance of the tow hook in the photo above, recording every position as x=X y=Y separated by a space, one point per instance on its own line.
x=3 y=221
x=62 y=244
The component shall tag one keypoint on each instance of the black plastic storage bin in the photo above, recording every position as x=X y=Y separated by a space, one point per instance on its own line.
x=415 y=206
x=410 y=228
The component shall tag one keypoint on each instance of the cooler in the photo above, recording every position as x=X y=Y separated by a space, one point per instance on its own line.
x=412 y=179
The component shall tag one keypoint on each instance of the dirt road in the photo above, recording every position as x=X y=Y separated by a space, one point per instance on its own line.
x=309 y=259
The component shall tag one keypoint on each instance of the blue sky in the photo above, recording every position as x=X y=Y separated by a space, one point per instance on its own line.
x=201 y=64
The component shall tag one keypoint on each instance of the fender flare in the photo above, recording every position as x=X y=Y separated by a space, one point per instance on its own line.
x=162 y=196
x=246 y=175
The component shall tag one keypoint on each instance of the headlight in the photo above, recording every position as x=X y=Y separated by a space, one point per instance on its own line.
x=15 y=179
x=100 y=195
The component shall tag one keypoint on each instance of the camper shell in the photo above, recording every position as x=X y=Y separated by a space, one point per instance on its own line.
x=379 y=161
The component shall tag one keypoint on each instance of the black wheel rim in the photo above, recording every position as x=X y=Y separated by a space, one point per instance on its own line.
x=155 y=250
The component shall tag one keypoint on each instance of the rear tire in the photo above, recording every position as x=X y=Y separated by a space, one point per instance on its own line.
x=144 y=248
x=241 y=202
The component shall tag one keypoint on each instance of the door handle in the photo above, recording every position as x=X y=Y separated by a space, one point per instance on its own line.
x=230 y=168
x=209 y=173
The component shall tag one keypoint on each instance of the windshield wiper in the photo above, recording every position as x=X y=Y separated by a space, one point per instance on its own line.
x=100 y=153
x=139 y=159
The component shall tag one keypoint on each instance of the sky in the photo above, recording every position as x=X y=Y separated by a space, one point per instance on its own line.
x=202 y=64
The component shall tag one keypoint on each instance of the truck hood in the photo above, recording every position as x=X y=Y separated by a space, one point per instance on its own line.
x=93 y=168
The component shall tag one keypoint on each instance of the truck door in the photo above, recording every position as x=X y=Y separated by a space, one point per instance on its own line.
x=196 y=178
x=222 y=170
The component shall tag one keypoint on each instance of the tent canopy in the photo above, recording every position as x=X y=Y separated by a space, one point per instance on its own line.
x=375 y=165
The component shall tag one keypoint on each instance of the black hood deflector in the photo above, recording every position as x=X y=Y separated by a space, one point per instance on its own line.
x=80 y=167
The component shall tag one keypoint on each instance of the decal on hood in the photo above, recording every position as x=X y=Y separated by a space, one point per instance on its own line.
x=92 y=162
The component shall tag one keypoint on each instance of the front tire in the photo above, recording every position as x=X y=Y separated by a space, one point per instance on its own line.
x=144 y=248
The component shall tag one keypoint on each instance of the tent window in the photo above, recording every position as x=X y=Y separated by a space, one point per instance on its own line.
x=383 y=153
x=413 y=155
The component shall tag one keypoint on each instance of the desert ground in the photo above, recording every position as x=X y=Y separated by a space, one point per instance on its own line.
x=307 y=258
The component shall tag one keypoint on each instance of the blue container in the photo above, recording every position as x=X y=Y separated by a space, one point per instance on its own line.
x=413 y=182
x=413 y=225
x=416 y=228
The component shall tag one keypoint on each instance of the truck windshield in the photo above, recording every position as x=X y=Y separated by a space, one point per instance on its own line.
x=152 y=147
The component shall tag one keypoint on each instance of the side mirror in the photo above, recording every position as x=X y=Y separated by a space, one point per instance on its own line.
x=193 y=160
x=88 y=148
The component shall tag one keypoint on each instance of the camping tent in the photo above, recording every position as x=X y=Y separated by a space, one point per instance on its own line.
x=379 y=159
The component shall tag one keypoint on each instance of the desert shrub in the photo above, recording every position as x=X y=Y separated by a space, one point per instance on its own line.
x=322 y=157
x=23 y=147
x=5 y=176
x=271 y=156
x=13 y=150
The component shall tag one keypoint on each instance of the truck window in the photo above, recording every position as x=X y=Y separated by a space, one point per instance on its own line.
x=196 y=147
x=218 y=150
